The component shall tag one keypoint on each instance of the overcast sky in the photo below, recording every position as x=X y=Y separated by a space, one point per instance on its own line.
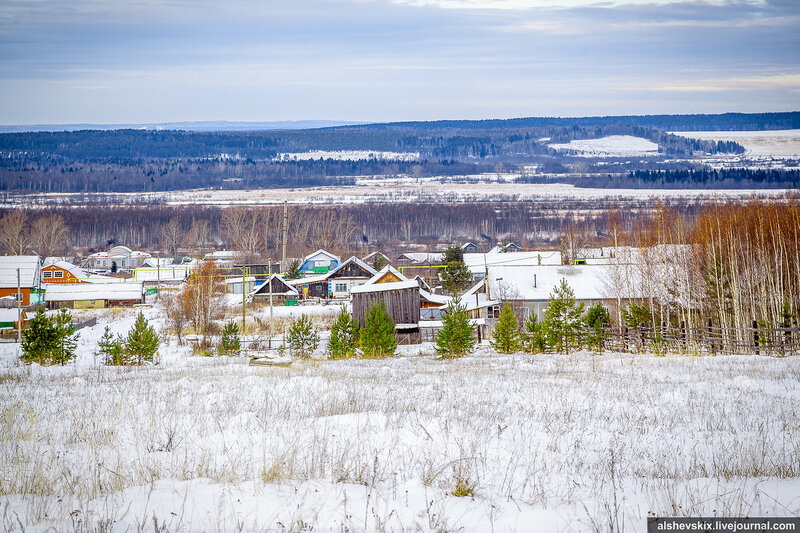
x=118 y=61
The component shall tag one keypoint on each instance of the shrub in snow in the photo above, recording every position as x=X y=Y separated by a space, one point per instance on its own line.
x=303 y=338
x=455 y=338
x=142 y=342
x=506 y=337
x=377 y=335
x=230 y=343
x=534 y=339
x=562 y=319
x=49 y=340
x=598 y=323
x=344 y=336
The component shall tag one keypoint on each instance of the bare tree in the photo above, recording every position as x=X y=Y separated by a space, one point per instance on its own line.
x=48 y=235
x=176 y=313
x=13 y=233
x=171 y=236
x=203 y=298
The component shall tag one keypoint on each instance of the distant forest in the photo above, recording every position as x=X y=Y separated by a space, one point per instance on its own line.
x=145 y=160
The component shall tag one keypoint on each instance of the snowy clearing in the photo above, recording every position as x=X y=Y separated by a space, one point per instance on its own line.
x=546 y=443
x=771 y=143
x=611 y=146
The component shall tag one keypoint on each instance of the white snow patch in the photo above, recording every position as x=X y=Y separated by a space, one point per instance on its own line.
x=770 y=143
x=612 y=146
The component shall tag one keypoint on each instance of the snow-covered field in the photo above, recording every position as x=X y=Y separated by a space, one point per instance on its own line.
x=771 y=143
x=463 y=189
x=349 y=155
x=610 y=146
x=536 y=443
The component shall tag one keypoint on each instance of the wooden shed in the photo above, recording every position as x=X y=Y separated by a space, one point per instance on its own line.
x=402 y=302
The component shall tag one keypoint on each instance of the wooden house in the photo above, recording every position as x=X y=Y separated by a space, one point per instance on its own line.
x=29 y=277
x=93 y=295
x=320 y=262
x=372 y=257
x=469 y=247
x=63 y=272
x=281 y=290
x=401 y=300
x=337 y=283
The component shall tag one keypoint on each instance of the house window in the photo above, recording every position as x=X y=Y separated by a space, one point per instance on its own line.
x=494 y=311
x=341 y=287
x=47 y=274
x=58 y=274
x=18 y=296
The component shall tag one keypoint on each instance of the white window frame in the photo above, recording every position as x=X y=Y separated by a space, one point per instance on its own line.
x=59 y=274
x=47 y=274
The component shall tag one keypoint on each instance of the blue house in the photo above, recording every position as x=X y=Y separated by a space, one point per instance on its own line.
x=320 y=262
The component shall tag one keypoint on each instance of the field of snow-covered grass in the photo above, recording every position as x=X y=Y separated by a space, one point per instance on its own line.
x=770 y=143
x=610 y=146
x=486 y=443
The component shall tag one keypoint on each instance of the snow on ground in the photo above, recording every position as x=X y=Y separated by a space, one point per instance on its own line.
x=436 y=191
x=611 y=146
x=771 y=143
x=349 y=155
x=544 y=443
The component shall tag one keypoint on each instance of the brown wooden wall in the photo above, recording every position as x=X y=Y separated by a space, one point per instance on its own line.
x=402 y=305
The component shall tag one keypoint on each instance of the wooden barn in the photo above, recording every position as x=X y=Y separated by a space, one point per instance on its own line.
x=281 y=291
x=337 y=283
x=402 y=302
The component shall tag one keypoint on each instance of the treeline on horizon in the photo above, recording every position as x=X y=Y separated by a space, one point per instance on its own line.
x=436 y=139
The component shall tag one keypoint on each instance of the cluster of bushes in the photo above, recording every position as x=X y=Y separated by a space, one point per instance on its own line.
x=376 y=339
x=140 y=346
x=564 y=327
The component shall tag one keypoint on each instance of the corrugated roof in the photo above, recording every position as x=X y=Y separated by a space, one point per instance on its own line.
x=29 y=270
x=69 y=292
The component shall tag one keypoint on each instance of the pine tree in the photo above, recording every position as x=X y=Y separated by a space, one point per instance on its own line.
x=230 y=343
x=377 y=335
x=598 y=322
x=562 y=318
x=455 y=338
x=379 y=261
x=112 y=349
x=49 y=340
x=344 y=336
x=455 y=277
x=142 y=341
x=303 y=338
x=506 y=337
x=534 y=339
x=293 y=272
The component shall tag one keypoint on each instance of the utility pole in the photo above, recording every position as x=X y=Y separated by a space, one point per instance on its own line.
x=245 y=275
x=19 y=308
x=486 y=277
x=285 y=234
x=269 y=280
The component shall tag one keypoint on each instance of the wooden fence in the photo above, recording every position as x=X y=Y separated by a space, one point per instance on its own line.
x=706 y=340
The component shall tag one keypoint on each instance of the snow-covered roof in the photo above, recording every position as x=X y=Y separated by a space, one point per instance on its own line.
x=320 y=252
x=424 y=257
x=477 y=262
x=53 y=260
x=221 y=254
x=434 y=298
x=93 y=291
x=69 y=267
x=250 y=279
x=510 y=282
x=9 y=314
x=381 y=287
x=440 y=324
x=310 y=279
x=382 y=272
x=291 y=291
x=372 y=255
x=28 y=266
x=357 y=261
